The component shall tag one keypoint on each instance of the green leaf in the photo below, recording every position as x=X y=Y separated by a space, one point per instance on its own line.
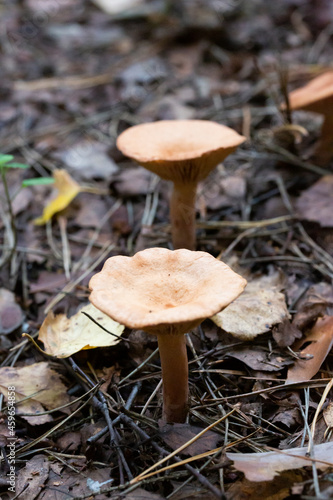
x=16 y=165
x=39 y=181
x=5 y=159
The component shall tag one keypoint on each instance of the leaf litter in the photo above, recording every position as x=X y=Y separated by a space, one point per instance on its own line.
x=84 y=77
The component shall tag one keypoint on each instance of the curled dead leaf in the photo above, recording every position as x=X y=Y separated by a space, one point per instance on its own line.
x=314 y=354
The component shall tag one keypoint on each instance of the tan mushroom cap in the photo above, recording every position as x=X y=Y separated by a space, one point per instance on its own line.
x=315 y=95
x=179 y=150
x=164 y=291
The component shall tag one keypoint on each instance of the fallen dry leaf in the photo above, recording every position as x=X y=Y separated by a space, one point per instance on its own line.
x=321 y=341
x=175 y=435
x=254 y=312
x=67 y=189
x=88 y=159
x=71 y=484
x=31 y=479
x=69 y=441
x=286 y=333
x=289 y=417
x=277 y=489
x=64 y=336
x=188 y=491
x=259 y=358
x=265 y=466
x=315 y=303
x=11 y=315
x=132 y=182
x=39 y=381
x=316 y=203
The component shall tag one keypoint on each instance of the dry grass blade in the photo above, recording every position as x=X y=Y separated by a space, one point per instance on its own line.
x=319 y=407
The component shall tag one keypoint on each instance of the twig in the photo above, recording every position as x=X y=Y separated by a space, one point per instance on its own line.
x=128 y=405
x=101 y=404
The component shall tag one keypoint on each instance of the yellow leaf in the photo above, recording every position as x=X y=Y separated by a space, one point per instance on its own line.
x=64 y=336
x=67 y=189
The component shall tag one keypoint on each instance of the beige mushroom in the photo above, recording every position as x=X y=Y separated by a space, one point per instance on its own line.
x=184 y=152
x=166 y=293
x=317 y=96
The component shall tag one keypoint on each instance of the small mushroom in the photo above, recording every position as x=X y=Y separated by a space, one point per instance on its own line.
x=166 y=293
x=317 y=96
x=184 y=152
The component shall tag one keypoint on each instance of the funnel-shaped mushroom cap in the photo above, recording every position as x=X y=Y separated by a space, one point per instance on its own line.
x=179 y=150
x=314 y=96
x=164 y=291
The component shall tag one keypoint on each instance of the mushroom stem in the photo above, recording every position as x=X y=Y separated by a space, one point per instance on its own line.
x=324 y=149
x=182 y=215
x=174 y=364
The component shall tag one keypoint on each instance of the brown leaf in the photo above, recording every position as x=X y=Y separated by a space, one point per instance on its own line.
x=70 y=484
x=191 y=491
x=259 y=359
x=40 y=384
x=277 y=489
x=321 y=338
x=316 y=203
x=175 y=435
x=288 y=417
x=132 y=182
x=11 y=316
x=91 y=211
x=48 y=281
x=286 y=333
x=315 y=303
x=264 y=466
x=4 y=434
x=69 y=442
x=33 y=475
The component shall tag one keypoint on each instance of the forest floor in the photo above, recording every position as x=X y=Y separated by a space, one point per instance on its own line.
x=87 y=422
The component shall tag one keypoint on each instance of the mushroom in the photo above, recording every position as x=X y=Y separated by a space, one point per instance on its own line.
x=166 y=293
x=184 y=152
x=317 y=96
